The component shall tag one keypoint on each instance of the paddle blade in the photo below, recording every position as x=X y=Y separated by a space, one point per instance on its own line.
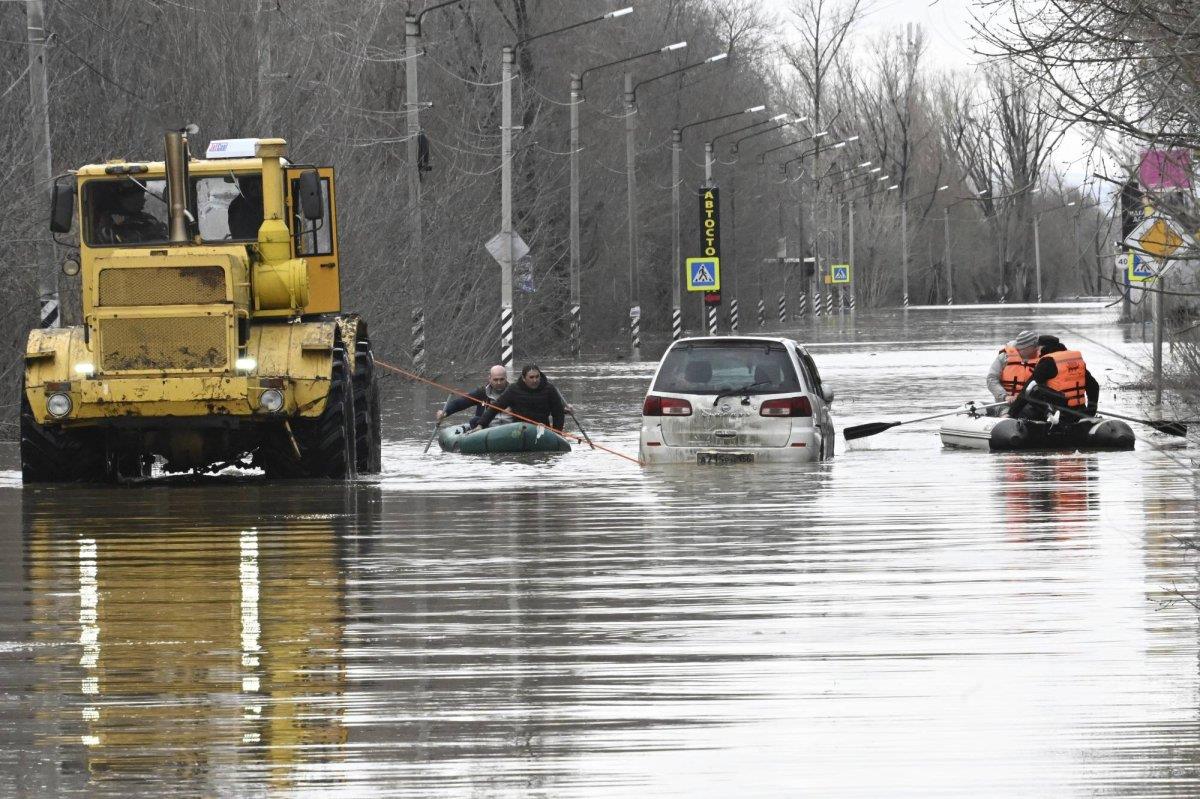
x=869 y=429
x=1171 y=428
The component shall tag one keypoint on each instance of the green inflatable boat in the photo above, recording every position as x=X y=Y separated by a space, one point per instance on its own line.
x=512 y=437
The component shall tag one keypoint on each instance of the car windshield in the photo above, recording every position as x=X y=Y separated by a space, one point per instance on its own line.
x=742 y=367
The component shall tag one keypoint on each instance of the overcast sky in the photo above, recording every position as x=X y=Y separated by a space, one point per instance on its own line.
x=947 y=23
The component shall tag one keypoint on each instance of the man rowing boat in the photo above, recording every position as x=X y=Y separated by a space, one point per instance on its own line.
x=532 y=397
x=486 y=394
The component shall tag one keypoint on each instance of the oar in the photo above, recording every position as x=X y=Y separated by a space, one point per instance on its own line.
x=577 y=424
x=872 y=428
x=436 y=426
x=1170 y=428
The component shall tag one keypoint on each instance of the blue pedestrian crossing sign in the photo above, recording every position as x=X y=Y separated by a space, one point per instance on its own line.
x=1139 y=268
x=839 y=273
x=703 y=274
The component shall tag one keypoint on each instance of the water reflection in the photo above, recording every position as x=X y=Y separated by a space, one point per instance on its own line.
x=1047 y=495
x=197 y=651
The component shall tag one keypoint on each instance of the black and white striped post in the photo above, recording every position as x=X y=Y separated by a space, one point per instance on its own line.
x=733 y=316
x=49 y=311
x=762 y=314
x=852 y=302
x=575 y=331
x=803 y=304
x=418 y=341
x=829 y=302
x=506 y=337
x=635 y=333
x=712 y=320
x=783 y=309
x=676 y=324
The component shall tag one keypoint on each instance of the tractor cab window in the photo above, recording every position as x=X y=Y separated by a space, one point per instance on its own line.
x=120 y=211
x=229 y=207
x=313 y=237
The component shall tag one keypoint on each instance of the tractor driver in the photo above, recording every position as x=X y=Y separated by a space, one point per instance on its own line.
x=123 y=218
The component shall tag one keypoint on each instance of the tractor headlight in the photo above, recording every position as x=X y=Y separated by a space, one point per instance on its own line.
x=271 y=400
x=85 y=369
x=58 y=405
x=245 y=365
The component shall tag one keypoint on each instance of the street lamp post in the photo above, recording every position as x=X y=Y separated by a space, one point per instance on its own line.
x=635 y=310
x=416 y=250
x=507 y=59
x=576 y=267
x=949 y=267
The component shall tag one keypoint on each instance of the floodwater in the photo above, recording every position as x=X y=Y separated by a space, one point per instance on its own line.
x=902 y=621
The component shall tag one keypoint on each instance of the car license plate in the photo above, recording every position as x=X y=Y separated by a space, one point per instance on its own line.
x=724 y=457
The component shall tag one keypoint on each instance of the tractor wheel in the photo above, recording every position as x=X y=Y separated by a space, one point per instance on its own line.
x=52 y=455
x=367 y=439
x=326 y=443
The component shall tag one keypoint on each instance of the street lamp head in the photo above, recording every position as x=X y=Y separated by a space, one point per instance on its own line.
x=876 y=169
x=885 y=177
x=943 y=188
x=755 y=109
x=798 y=120
x=852 y=138
x=893 y=186
x=676 y=46
x=717 y=57
x=778 y=117
x=620 y=12
x=819 y=135
x=839 y=145
x=867 y=164
x=1070 y=203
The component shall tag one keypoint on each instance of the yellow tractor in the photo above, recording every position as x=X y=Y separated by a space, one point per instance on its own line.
x=213 y=333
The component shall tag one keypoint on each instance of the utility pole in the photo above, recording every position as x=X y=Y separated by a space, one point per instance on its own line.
x=507 y=56
x=705 y=309
x=576 y=267
x=732 y=272
x=949 y=268
x=635 y=311
x=1037 y=257
x=1158 y=311
x=850 y=260
x=904 y=242
x=43 y=170
x=676 y=260
x=416 y=253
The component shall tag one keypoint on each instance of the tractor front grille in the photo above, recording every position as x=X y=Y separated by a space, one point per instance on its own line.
x=161 y=285
x=164 y=344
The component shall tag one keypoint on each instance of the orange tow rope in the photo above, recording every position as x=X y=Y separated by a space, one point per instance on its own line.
x=435 y=384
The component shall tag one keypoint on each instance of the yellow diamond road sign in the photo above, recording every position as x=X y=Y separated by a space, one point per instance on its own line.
x=1158 y=237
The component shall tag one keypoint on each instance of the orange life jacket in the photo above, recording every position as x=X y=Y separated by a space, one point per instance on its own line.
x=1016 y=372
x=1071 y=380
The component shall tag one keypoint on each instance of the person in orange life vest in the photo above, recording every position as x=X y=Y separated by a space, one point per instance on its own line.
x=1060 y=379
x=1011 y=368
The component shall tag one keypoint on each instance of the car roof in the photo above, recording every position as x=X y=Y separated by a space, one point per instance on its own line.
x=714 y=339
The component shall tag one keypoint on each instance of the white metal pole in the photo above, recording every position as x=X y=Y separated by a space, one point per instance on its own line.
x=1037 y=258
x=676 y=254
x=949 y=266
x=635 y=311
x=39 y=116
x=576 y=98
x=850 y=247
x=506 y=204
x=904 y=250
x=416 y=254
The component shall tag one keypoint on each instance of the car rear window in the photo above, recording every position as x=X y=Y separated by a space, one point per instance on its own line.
x=758 y=367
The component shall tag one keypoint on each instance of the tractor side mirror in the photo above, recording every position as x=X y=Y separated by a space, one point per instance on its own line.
x=312 y=205
x=62 y=206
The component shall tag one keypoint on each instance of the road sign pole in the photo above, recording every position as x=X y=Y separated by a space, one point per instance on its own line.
x=676 y=253
x=1156 y=307
x=1037 y=258
x=576 y=269
x=635 y=338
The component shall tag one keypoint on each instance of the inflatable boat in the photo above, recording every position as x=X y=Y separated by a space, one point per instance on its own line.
x=1001 y=434
x=512 y=437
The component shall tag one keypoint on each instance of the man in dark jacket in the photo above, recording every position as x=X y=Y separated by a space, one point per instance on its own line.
x=488 y=393
x=1040 y=392
x=534 y=397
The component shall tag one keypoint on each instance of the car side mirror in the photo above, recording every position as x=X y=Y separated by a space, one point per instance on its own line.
x=62 y=207
x=309 y=191
x=827 y=393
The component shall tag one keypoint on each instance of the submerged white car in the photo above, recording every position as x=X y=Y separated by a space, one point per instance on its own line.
x=736 y=399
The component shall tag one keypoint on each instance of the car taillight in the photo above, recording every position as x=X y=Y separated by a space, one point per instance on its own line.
x=666 y=406
x=789 y=406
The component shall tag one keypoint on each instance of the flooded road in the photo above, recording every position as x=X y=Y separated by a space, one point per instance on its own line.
x=901 y=621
